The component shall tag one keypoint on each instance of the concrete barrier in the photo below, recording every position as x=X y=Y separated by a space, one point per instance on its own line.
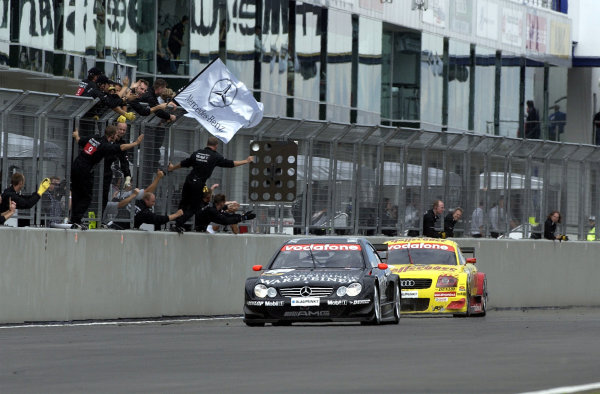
x=64 y=275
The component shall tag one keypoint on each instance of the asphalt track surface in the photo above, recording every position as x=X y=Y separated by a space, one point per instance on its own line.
x=504 y=352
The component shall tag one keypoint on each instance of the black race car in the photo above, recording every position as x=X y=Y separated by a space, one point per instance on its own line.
x=323 y=280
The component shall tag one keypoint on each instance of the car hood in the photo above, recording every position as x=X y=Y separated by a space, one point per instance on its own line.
x=291 y=277
x=426 y=270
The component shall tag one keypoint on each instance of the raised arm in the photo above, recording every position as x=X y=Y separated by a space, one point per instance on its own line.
x=133 y=144
x=123 y=203
x=248 y=160
x=154 y=184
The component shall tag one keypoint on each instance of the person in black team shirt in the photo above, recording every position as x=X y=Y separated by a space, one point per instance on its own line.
x=13 y=194
x=118 y=160
x=95 y=148
x=203 y=162
x=89 y=83
x=213 y=213
x=451 y=219
x=430 y=218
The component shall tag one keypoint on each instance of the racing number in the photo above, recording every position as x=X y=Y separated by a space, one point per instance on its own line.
x=91 y=147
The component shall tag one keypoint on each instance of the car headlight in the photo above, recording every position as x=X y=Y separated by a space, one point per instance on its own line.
x=341 y=291
x=260 y=291
x=354 y=289
x=271 y=292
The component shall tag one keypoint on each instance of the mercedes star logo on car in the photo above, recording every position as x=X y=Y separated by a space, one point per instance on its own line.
x=305 y=291
x=222 y=93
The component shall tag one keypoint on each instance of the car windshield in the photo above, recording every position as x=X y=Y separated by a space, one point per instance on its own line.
x=315 y=256
x=421 y=256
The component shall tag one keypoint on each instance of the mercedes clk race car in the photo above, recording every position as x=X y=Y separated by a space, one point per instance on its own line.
x=435 y=277
x=323 y=280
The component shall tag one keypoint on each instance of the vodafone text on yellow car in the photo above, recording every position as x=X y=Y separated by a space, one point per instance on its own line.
x=435 y=277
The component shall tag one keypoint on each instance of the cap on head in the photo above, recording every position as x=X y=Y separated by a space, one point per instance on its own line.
x=94 y=71
x=592 y=218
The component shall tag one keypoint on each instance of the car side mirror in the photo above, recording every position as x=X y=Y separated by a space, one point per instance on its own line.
x=257 y=268
x=382 y=266
x=471 y=260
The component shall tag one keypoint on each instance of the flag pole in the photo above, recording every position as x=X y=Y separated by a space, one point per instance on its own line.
x=181 y=89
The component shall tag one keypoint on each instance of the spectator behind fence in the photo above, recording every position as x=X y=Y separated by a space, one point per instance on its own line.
x=213 y=213
x=203 y=162
x=556 y=124
x=591 y=235
x=550 y=227
x=13 y=193
x=117 y=163
x=532 y=123
x=95 y=148
x=53 y=202
x=430 y=218
x=477 y=221
x=12 y=207
x=137 y=101
x=121 y=199
x=497 y=219
x=451 y=219
x=106 y=99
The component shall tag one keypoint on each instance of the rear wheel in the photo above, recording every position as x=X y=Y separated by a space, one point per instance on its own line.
x=397 y=304
x=484 y=297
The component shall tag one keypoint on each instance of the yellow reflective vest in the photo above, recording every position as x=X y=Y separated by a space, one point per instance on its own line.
x=592 y=234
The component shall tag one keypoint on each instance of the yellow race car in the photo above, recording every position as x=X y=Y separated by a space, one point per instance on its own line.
x=435 y=277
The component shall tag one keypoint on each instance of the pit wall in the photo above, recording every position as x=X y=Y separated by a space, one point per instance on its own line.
x=65 y=275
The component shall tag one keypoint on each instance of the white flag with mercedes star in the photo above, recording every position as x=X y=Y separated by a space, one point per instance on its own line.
x=220 y=102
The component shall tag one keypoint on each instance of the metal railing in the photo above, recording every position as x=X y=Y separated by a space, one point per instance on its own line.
x=351 y=179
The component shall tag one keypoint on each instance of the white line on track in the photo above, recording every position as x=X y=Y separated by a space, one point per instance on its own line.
x=119 y=323
x=568 y=389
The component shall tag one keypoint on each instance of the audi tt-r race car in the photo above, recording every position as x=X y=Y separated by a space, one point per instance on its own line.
x=435 y=277
x=322 y=280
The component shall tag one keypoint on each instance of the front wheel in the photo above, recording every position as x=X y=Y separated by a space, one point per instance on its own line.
x=397 y=304
x=254 y=324
x=376 y=308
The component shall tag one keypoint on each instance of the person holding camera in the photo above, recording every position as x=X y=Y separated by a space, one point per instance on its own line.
x=215 y=213
x=550 y=227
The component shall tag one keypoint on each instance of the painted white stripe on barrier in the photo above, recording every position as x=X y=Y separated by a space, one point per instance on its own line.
x=118 y=323
x=567 y=389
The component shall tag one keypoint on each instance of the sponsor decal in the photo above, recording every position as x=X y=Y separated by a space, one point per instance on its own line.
x=359 y=302
x=326 y=247
x=277 y=272
x=254 y=303
x=306 y=314
x=407 y=268
x=310 y=277
x=337 y=302
x=437 y=308
x=462 y=293
x=446 y=289
x=305 y=301
x=441 y=299
x=410 y=293
x=273 y=303
x=444 y=294
x=421 y=245
x=476 y=308
x=462 y=288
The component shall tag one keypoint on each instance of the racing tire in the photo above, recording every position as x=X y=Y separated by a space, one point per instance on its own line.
x=484 y=297
x=376 y=307
x=254 y=324
x=396 y=304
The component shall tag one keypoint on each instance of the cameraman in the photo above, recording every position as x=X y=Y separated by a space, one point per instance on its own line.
x=550 y=227
x=53 y=202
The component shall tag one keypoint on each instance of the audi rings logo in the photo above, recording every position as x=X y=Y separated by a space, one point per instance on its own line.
x=222 y=93
x=407 y=283
x=305 y=291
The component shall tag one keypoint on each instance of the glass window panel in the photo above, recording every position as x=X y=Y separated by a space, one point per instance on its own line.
x=339 y=65
x=509 y=96
x=307 y=61
x=458 y=84
x=485 y=79
x=557 y=103
x=432 y=52
x=369 y=71
x=204 y=33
